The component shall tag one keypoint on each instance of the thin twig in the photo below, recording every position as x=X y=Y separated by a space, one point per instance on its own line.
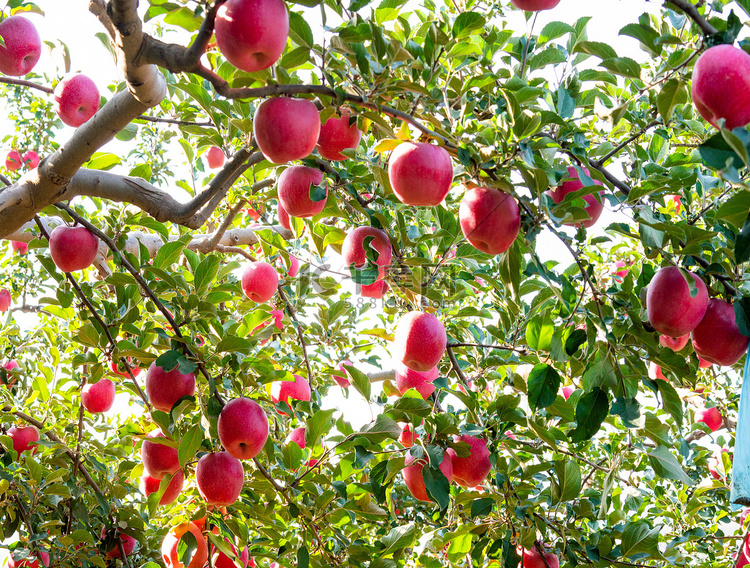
x=291 y=311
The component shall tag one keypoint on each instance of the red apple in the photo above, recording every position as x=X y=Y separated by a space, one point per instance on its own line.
x=73 y=248
x=98 y=397
x=341 y=378
x=677 y=200
x=259 y=281
x=219 y=477
x=743 y=560
x=489 y=219
x=158 y=460
x=711 y=417
x=407 y=378
x=534 y=6
x=532 y=558
x=293 y=266
x=671 y=310
x=294 y=191
x=150 y=485
x=284 y=218
x=717 y=338
x=4 y=300
x=474 y=468
x=14 y=161
x=31 y=159
x=714 y=463
x=76 y=99
x=128 y=544
x=620 y=271
x=30 y=561
x=24 y=438
x=375 y=290
x=116 y=366
x=252 y=34
x=420 y=341
x=674 y=343
x=169 y=545
x=567 y=391
x=703 y=364
x=721 y=86
x=299 y=389
x=19 y=247
x=413 y=476
x=22 y=48
x=594 y=205
x=407 y=437
x=221 y=560
x=353 y=249
x=420 y=173
x=654 y=372
x=338 y=134
x=165 y=388
x=243 y=428
x=297 y=436
x=215 y=157
x=286 y=129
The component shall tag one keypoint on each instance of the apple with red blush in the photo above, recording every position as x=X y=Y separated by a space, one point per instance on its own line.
x=414 y=475
x=24 y=438
x=534 y=6
x=567 y=391
x=158 y=459
x=164 y=388
x=5 y=300
x=674 y=343
x=407 y=436
x=471 y=470
x=720 y=86
x=76 y=99
x=294 y=187
x=128 y=544
x=73 y=248
x=419 y=341
x=31 y=561
x=376 y=290
x=297 y=435
x=13 y=161
x=219 y=477
x=285 y=391
x=151 y=485
x=337 y=134
x=340 y=376
x=594 y=205
x=490 y=219
x=31 y=159
x=243 y=428
x=671 y=308
x=420 y=173
x=170 y=552
x=655 y=372
x=259 y=281
x=535 y=559
x=19 y=247
x=355 y=255
x=407 y=378
x=98 y=397
x=711 y=417
x=286 y=129
x=717 y=338
x=215 y=157
x=21 y=47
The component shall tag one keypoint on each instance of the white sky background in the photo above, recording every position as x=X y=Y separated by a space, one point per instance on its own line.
x=67 y=20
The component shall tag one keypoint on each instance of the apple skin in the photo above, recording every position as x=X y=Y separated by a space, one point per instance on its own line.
x=221 y=560
x=9 y=366
x=294 y=265
x=294 y=191
x=76 y=99
x=172 y=540
x=22 y=48
x=717 y=338
x=243 y=428
x=128 y=544
x=533 y=559
x=158 y=460
x=14 y=161
x=284 y=218
x=215 y=157
x=98 y=397
x=375 y=290
x=73 y=248
x=286 y=129
x=534 y=6
x=31 y=159
x=29 y=561
x=338 y=134
x=711 y=417
x=674 y=343
x=567 y=391
x=713 y=463
x=4 y=300
x=655 y=372
x=620 y=271
x=474 y=468
x=19 y=247
x=219 y=477
x=407 y=379
x=353 y=249
x=259 y=281
x=164 y=388
x=721 y=81
x=407 y=437
x=489 y=219
x=594 y=206
x=703 y=364
x=420 y=173
x=299 y=389
x=24 y=438
x=114 y=367
x=297 y=436
x=420 y=341
x=252 y=34
x=414 y=479
x=670 y=308
x=341 y=378
x=150 y=485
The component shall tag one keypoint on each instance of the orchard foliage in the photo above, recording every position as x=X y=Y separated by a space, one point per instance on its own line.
x=615 y=475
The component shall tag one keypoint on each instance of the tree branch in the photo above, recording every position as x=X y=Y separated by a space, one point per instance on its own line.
x=691 y=12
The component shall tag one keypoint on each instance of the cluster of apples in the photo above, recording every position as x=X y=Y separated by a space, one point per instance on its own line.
x=15 y=161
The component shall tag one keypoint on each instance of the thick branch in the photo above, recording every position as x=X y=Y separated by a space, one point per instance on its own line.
x=691 y=11
x=24 y=83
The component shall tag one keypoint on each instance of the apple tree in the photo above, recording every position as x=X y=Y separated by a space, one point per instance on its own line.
x=307 y=251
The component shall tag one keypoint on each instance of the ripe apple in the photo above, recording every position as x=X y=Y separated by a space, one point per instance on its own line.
x=14 y=161
x=22 y=48
x=150 y=485
x=24 y=438
x=128 y=544
x=375 y=290
x=654 y=372
x=594 y=205
x=4 y=300
x=252 y=33
x=171 y=542
x=219 y=477
x=353 y=249
x=29 y=561
x=73 y=248
x=286 y=129
x=299 y=389
x=714 y=464
x=221 y=560
x=567 y=391
x=259 y=281
x=532 y=558
x=338 y=134
x=407 y=437
x=294 y=191
x=284 y=218
x=474 y=468
x=420 y=173
x=115 y=367
x=413 y=476
x=165 y=388
x=743 y=560
x=703 y=364
x=297 y=436
x=19 y=247
x=243 y=428
x=341 y=378
x=76 y=99
x=420 y=341
x=674 y=343
x=620 y=271
x=534 y=6
x=721 y=80
x=215 y=157
x=293 y=266
x=671 y=310
x=407 y=378
x=489 y=219
x=717 y=338
x=711 y=417
x=31 y=159
x=158 y=460
x=98 y=397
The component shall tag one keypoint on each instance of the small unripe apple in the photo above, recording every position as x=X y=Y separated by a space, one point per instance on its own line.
x=407 y=378
x=375 y=290
x=169 y=547
x=294 y=191
x=22 y=46
x=711 y=417
x=14 y=161
x=353 y=249
x=215 y=157
x=671 y=309
x=286 y=129
x=721 y=86
x=73 y=248
x=299 y=389
x=473 y=469
x=338 y=134
x=243 y=428
x=594 y=205
x=4 y=300
x=165 y=388
x=98 y=397
x=414 y=476
x=717 y=338
x=158 y=460
x=259 y=281
x=674 y=343
x=489 y=219
x=219 y=477
x=534 y=6
x=19 y=247
x=76 y=99
x=31 y=159
x=419 y=341
x=24 y=438
x=533 y=559
x=420 y=173
x=150 y=485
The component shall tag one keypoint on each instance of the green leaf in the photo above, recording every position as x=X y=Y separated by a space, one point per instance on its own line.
x=638 y=538
x=672 y=93
x=554 y=30
x=187 y=547
x=628 y=409
x=671 y=400
x=601 y=50
x=543 y=384
x=189 y=444
x=398 y=538
x=716 y=153
x=742 y=243
x=168 y=254
x=539 y=332
x=438 y=486
x=591 y=410
x=666 y=466
x=384 y=428
x=569 y=479
x=169 y=360
x=360 y=381
x=303 y=557
x=734 y=142
x=205 y=273
x=299 y=30
x=318 y=192
x=466 y=23
x=317 y=426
